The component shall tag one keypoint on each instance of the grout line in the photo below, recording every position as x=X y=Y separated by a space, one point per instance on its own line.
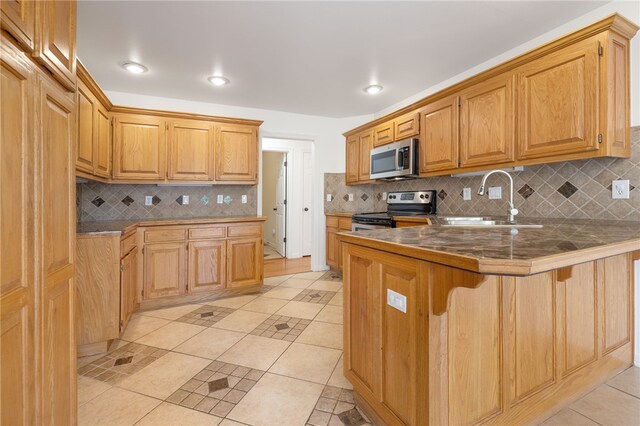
x=575 y=411
x=622 y=391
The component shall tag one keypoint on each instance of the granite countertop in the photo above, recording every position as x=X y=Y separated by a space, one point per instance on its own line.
x=558 y=243
x=123 y=226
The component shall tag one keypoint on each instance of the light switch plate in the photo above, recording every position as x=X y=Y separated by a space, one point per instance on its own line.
x=350 y=197
x=148 y=200
x=329 y=198
x=185 y=200
x=466 y=194
x=243 y=200
x=220 y=199
x=495 y=193
x=384 y=196
x=397 y=300
x=620 y=189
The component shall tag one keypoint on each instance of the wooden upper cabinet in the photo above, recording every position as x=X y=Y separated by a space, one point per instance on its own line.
x=236 y=153
x=352 y=159
x=207 y=261
x=406 y=126
x=102 y=142
x=86 y=126
x=364 y=165
x=55 y=45
x=190 y=150
x=558 y=102
x=439 y=136
x=383 y=133
x=18 y=18
x=487 y=122
x=139 y=147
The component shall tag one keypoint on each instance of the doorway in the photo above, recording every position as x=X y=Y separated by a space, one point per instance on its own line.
x=274 y=203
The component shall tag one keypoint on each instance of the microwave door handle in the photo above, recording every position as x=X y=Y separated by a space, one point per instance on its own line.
x=399 y=160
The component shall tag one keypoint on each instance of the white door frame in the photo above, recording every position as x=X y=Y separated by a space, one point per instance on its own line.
x=293 y=147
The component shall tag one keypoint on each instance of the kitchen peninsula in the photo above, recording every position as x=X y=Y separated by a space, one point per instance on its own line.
x=458 y=325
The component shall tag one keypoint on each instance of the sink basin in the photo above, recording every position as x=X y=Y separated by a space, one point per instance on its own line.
x=484 y=222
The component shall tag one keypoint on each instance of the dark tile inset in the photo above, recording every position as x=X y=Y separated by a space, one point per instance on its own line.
x=364 y=197
x=378 y=196
x=155 y=200
x=331 y=276
x=206 y=315
x=127 y=201
x=314 y=296
x=122 y=362
x=336 y=406
x=281 y=328
x=346 y=197
x=526 y=191
x=442 y=194
x=217 y=388
x=97 y=201
x=351 y=418
x=567 y=189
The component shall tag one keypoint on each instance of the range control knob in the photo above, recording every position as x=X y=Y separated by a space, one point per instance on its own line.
x=422 y=196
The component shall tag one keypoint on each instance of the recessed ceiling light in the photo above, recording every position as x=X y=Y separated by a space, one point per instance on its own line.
x=218 y=80
x=134 y=67
x=373 y=89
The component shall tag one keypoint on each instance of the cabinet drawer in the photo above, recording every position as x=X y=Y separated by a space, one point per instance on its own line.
x=245 y=230
x=127 y=243
x=207 y=233
x=332 y=221
x=164 y=235
x=344 y=223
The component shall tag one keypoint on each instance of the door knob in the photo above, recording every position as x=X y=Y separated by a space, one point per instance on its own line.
x=306 y=209
x=275 y=209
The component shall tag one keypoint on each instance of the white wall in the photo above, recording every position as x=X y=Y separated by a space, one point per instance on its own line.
x=325 y=133
x=628 y=9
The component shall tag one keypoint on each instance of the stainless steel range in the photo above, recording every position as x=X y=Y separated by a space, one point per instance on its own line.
x=409 y=203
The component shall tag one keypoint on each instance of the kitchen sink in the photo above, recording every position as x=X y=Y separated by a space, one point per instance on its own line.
x=484 y=222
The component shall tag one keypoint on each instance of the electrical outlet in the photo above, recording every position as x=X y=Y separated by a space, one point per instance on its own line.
x=620 y=189
x=185 y=200
x=384 y=196
x=495 y=193
x=397 y=300
x=148 y=200
x=243 y=200
x=220 y=199
x=350 y=197
x=329 y=198
x=466 y=194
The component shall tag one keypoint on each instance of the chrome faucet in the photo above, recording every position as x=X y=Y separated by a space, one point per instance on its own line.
x=512 y=209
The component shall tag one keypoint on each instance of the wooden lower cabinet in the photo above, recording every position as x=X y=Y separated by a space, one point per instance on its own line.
x=128 y=287
x=164 y=270
x=206 y=265
x=470 y=348
x=335 y=224
x=244 y=262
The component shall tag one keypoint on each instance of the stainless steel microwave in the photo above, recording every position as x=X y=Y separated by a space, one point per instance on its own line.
x=398 y=160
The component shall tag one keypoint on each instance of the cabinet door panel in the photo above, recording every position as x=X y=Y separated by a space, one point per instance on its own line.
x=56 y=40
x=558 y=102
x=487 y=131
x=364 y=166
x=17 y=281
x=206 y=265
x=333 y=248
x=615 y=273
x=139 y=147
x=383 y=133
x=244 y=262
x=18 y=18
x=190 y=150
x=406 y=126
x=439 y=140
x=353 y=159
x=57 y=195
x=236 y=154
x=128 y=286
x=164 y=270
x=102 y=143
x=86 y=120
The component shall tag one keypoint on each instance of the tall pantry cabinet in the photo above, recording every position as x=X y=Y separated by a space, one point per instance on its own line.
x=37 y=206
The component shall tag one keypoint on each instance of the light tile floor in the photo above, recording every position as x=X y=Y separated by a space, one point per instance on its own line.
x=271 y=358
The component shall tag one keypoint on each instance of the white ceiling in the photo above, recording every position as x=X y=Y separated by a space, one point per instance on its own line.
x=305 y=57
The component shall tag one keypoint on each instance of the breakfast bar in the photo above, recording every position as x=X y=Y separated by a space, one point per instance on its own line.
x=466 y=325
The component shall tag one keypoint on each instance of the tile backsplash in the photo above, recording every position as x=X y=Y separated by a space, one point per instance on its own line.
x=575 y=189
x=97 y=201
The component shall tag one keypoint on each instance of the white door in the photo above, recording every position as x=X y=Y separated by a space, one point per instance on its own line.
x=281 y=207
x=307 y=200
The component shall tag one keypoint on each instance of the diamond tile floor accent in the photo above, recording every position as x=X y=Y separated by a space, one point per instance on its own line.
x=281 y=327
x=315 y=296
x=206 y=315
x=212 y=390
x=123 y=362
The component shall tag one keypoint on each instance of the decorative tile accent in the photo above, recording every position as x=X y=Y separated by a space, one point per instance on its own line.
x=217 y=388
x=206 y=315
x=227 y=199
x=346 y=197
x=180 y=200
x=364 y=197
x=442 y=194
x=567 y=189
x=281 y=328
x=336 y=406
x=97 y=201
x=378 y=196
x=526 y=191
x=331 y=276
x=315 y=296
x=155 y=200
x=204 y=200
x=127 y=201
x=122 y=362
